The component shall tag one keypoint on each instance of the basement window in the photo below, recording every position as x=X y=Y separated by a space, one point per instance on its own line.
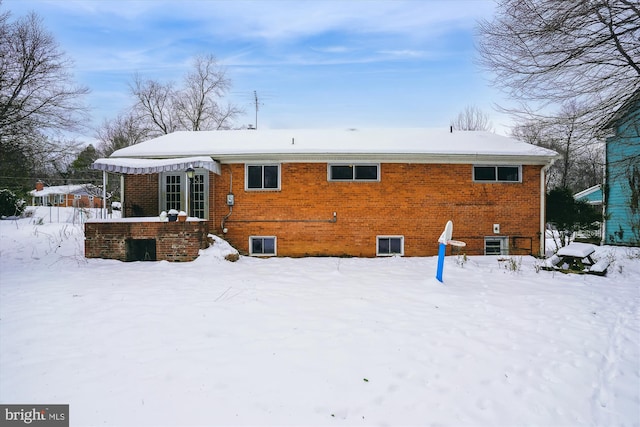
x=390 y=245
x=357 y=172
x=262 y=245
x=496 y=245
x=497 y=174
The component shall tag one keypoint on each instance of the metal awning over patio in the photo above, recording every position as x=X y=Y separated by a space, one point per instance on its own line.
x=146 y=166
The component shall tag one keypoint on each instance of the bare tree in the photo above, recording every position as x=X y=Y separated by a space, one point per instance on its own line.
x=38 y=100
x=472 y=118
x=155 y=105
x=194 y=107
x=197 y=104
x=121 y=132
x=36 y=89
x=544 y=53
x=581 y=165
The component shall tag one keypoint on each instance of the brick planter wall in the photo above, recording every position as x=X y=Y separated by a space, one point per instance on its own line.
x=175 y=241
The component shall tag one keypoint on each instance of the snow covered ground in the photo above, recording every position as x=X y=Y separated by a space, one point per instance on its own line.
x=314 y=342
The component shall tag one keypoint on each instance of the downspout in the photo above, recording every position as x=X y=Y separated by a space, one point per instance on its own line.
x=543 y=207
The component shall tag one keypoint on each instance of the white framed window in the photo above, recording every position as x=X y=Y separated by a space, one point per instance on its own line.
x=496 y=245
x=172 y=191
x=262 y=177
x=262 y=245
x=490 y=173
x=390 y=245
x=353 y=172
x=198 y=189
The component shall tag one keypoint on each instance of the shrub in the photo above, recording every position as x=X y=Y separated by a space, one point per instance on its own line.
x=462 y=259
x=512 y=264
x=11 y=204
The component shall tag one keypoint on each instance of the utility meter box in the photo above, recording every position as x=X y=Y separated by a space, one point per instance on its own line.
x=230 y=199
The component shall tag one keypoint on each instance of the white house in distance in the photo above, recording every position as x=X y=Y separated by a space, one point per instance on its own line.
x=77 y=196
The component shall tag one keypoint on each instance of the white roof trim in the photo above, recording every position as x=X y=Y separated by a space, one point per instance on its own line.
x=399 y=145
x=133 y=166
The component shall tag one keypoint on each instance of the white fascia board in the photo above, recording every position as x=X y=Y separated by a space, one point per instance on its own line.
x=387 y=158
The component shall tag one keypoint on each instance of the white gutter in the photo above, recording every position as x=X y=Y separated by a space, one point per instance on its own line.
x=543 y=197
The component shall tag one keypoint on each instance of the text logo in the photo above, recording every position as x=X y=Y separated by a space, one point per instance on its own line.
x=34 y=415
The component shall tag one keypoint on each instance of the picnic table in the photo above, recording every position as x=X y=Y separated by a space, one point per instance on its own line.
x=577 y=257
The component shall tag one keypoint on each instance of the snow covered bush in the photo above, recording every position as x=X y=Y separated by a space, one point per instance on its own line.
x=10 y=204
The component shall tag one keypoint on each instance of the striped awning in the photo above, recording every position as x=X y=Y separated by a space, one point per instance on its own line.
x=146 y=166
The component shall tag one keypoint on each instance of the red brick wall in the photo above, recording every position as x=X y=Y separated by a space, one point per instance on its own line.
x=141 y=195
x=175 y=241
x=83 y=202
x=412 y=200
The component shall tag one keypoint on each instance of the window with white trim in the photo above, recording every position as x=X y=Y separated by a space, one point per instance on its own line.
x=488 y=173
x=354 y=172
x=496 y=245
x=262 y=177
x=390 y=245
x=262 y=245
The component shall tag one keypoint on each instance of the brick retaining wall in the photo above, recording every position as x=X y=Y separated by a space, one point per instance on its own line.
x=174 y=241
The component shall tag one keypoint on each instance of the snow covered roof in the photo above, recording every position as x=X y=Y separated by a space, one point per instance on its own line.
x=414 y=145
x=145 y=166
x=66 y=189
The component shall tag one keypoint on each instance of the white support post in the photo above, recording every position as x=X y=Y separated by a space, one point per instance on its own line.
x=104 y=194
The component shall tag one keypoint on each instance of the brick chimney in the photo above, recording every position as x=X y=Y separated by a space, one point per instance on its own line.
x=39 y=186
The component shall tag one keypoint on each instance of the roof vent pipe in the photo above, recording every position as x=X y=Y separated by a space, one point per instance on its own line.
x=451 y=129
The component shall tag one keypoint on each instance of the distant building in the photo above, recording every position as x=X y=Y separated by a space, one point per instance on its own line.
x=622 y=189
x=77 y=196
x=594 y=197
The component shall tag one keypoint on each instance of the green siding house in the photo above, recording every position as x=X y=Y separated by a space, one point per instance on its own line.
x=622 y=189
x=592 y=195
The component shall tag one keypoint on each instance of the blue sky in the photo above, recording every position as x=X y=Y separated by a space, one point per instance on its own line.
x=314 y=64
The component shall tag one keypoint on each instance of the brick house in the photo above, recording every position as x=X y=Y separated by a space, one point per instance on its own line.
x=77 y=196
x=366 y=193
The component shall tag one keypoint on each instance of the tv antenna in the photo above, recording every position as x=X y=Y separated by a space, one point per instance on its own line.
x=256 y=100
x=255 y=97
